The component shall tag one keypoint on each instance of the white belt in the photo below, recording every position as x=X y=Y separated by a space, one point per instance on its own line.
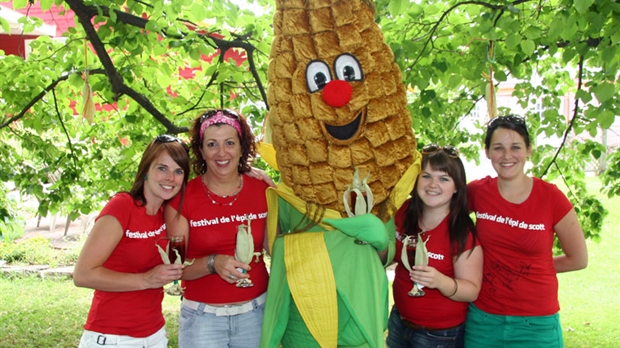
x=227 y=310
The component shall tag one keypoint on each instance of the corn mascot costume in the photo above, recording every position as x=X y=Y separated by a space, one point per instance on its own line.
x=340 y=134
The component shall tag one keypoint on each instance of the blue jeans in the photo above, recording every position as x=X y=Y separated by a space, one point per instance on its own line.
x=198 y=329
x=402 y=336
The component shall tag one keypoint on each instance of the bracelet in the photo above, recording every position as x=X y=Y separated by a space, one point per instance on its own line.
x=210 y=264
x=456 y=287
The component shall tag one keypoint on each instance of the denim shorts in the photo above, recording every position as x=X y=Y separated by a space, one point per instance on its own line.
x=198 y=328
x=483 y=329
x=91 y=339
x=402 y=336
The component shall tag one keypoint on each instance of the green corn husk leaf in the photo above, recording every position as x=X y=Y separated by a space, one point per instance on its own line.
x=244 y=249
x=164 y=255
x=403 y=255
x=364 y=199
x=421 y=253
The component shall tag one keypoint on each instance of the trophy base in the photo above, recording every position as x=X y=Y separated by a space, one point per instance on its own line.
x=419 y=293
x=244 y=283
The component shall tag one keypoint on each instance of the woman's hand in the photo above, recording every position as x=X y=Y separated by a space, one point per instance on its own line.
x=427 y=276
x=226 y=267
x=261 y=175
x=161 y=275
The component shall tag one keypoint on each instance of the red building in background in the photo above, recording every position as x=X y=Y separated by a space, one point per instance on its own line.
x=56 y=21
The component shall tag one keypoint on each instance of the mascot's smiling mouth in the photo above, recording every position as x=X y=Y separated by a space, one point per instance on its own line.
x=347 y=131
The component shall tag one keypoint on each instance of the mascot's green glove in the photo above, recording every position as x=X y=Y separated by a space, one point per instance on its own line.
x=367 y=227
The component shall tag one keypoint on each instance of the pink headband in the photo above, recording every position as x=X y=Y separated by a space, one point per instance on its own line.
x=218 y=118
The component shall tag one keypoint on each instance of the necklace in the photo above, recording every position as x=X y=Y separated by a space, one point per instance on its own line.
x=212 y=195
x=424 y=228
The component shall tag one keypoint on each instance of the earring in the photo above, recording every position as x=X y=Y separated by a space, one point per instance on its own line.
x=146 y=177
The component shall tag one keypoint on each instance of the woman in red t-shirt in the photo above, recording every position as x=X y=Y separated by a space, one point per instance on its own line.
x=436 y=215
x=120 y=259
x=517 y=218
x=217 y=310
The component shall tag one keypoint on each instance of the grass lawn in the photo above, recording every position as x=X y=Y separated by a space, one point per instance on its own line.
x=590 y=298
x=50 y=313
x=43 y=313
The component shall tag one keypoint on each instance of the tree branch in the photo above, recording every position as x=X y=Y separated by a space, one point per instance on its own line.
x=62 y=123
x=85 y=13
x=42 y=94
x=572 y=121
x=446 y=13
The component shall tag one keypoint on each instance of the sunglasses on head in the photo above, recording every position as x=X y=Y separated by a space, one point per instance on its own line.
x=449 y=150
x=167 y=138
x=225 y=112
x=512 y=119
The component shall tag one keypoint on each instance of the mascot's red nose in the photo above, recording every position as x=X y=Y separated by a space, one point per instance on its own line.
x=337 y=93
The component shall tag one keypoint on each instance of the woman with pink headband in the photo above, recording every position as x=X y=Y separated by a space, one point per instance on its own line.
x=217 y=311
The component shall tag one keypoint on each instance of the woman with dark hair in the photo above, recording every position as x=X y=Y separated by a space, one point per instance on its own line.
x=217 y=310
x=120 y=259
x=435 y=221
x=517 y=217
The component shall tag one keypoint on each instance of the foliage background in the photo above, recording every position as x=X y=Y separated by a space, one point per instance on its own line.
x=134 y=50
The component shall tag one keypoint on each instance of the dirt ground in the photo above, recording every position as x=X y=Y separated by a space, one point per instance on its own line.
x=57 y=235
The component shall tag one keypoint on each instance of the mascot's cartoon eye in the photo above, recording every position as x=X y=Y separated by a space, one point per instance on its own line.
x=348 y=68
x=317 y=75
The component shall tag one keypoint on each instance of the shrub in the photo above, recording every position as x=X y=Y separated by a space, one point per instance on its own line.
x=37 y=251
x=11 y=224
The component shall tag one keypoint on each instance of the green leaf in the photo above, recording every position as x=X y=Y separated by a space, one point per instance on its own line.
x=583 y=95
x=582 y=6
x=398 y=7
x=532 y=32
x=159 y=49
x=198 y=11
x=6 y=28
x=46 y=4
x=512 y=40
x=528 y=47
x=76 y=81
x=163 y=80
x=555 y=28
x=604 y=91
x=609 y=53
x=415 y=10
x=568 y=55
x=570 y=28
x=194 y=54
x=112 y=15
x=19 y=4
x=130 y=118
x=606 y=118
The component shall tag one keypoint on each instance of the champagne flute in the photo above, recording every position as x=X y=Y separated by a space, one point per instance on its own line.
x=176 y=248
x=354 y=201
x=414 y=253
x=244 y=250
x=416 y=291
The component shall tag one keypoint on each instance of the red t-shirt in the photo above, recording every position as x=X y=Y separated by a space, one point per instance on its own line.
x=432 y=310
x=130 y=313
x=213 y=230
x=517 y=240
